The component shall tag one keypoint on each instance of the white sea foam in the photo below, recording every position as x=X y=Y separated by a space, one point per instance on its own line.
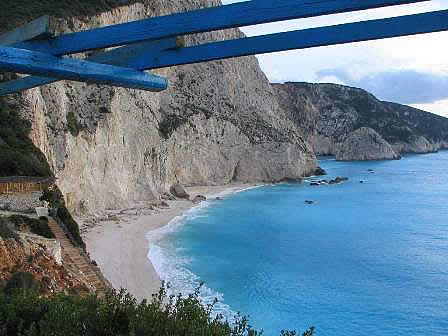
x=173 y=267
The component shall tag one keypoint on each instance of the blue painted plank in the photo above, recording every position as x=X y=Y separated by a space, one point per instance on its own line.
x=39 y=28
x=203 y=20
x=301 y=39
x=123 y=56
x=32 y=62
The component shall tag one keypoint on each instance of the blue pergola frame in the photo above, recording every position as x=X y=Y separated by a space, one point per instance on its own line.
x=156 y=42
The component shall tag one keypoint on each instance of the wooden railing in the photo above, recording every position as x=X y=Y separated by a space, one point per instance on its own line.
x=10 y=188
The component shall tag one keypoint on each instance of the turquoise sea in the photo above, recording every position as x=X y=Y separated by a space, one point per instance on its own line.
x=365 y=259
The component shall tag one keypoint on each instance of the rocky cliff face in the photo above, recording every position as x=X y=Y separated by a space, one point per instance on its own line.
x=365 y=144
x=32 y=256
x=329 y=114
x=218 y=122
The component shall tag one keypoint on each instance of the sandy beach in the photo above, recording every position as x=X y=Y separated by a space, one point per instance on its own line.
x=118 y=242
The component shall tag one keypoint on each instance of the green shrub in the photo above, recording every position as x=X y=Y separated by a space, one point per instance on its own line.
x=73 y=124
x=18 y=155
x=118 y=313
x=21 y=283
x=5 y=231
x=36 y=226
x=56 y=201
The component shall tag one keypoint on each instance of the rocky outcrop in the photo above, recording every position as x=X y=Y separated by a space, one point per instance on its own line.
x=30 y=256
x=320 y=171
x=329 y=113
x=199 y=199
x=418 y=145
x=365 y=144
x=179 y=191
x=52 y=246
x=218 y=122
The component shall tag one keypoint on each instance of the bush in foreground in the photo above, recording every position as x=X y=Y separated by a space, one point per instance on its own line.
x=23 y=312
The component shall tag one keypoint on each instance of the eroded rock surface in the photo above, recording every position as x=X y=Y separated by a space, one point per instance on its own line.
x=109 y=147
x=365 y=144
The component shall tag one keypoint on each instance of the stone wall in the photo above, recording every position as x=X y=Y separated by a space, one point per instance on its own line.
x=20 y=202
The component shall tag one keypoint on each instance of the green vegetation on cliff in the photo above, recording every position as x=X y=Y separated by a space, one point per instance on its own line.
x=18 y=12
x=23 y=312
x=18 y=155
x=36 y=226
x=6 y=231
x=56 y=201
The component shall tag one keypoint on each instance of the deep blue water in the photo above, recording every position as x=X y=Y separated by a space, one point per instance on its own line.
x=364 y=259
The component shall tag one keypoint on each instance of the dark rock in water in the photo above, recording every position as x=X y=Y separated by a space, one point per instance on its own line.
x=218 y=198
x=338 y=180
x=371 y=171
x=320 y=171
x=179 y=191
x=292 y=180
x=164 y=204
x=168 y=197
x=314 y=184
x=199 y=198
x=362 y=181
x=309 y=202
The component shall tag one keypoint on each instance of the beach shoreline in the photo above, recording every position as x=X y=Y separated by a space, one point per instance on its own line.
x=119 y=245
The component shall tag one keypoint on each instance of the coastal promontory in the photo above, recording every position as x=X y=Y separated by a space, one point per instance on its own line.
x=329 y=114
x=365 y=144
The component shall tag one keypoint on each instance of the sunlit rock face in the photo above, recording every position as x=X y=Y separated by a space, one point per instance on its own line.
x=365 y=144
x=218 y=122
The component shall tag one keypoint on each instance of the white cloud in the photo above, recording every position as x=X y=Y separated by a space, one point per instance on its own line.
x=439 y=107
x=422 y=53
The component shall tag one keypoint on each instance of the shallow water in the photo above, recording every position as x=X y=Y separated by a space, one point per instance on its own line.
x=364 y=259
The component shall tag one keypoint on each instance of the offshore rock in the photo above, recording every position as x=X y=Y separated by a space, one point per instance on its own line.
x=199 y=199
x=320 y=171
x=329 y=113
x=365 y=144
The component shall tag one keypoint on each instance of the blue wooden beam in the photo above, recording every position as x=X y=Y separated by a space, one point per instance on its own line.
x=300 y=39
x=42 y=27
x=198 y=21
x=123 y=56
x=32 y=62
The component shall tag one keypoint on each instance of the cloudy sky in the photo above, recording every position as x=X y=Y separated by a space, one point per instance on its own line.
x=408 y=70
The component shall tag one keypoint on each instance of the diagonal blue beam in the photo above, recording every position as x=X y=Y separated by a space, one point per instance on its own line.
x=300 y=39
x=32 y=62
x=198 y=21
x=124 y=56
